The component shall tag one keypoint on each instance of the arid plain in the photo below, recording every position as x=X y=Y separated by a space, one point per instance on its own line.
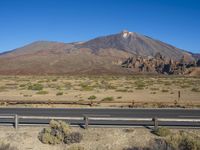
x=100 y=91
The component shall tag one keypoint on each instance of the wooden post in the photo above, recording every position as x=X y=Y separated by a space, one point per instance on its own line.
x=86 y=122
x=133 y=103
x=155 y=120
x=91 y=103
x=179 y=95
x=16 y=122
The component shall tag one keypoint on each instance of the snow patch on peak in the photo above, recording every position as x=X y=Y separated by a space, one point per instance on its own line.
x=126 y=33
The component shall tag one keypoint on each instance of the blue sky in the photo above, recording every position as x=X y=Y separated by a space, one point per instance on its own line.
x=24 y=21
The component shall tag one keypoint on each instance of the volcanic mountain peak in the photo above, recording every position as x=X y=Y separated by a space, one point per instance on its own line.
x=133 y=43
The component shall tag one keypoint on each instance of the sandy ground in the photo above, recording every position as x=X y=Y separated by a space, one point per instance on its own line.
x=25 y=138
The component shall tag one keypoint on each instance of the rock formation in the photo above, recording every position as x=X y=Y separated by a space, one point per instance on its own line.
x=158 y=64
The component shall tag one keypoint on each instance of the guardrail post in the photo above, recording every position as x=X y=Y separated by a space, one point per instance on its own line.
x=86 y=119
x=16 y=121
x=155 y=120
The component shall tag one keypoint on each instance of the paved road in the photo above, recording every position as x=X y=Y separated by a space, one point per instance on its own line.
x=117 y=113
x=136 y=113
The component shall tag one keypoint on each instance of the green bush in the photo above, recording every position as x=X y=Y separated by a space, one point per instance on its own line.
x=42 y=92
x=163 y=131
x=92 y=97
x=121 y=90
x=108 y=99
x=164 y=90
x=140 y=85
x=36 y=87
x=22 y=85
x=86 y=87
x=54 y=80
x=59 y=93
x=154 y=89
x=139 y=88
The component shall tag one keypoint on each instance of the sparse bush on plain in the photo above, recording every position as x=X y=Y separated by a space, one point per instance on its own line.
x=67 y=85
x=140 y=85
x=92 y=97
x=85 y=87
x=36 y=87
x=22 y=85
x=54 y=80
x=152 y=92
x=154 y=89
x=121 y=90
x=164 y=90
x=139 y=88
x=42 y=92
x=185 y=86
x=108 y=99
x=167 y=83
x=195 y=90
x=59 y=93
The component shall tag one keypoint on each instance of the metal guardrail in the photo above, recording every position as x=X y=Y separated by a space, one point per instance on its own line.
x=87 y=119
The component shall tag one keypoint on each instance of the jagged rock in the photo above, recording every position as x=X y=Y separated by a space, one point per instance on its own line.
x=158 y=64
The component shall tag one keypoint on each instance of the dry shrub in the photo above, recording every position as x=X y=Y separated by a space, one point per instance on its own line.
x=162 y=131
x=59 y=132
x=184 y=141
x=74 y=137
x=157 y=144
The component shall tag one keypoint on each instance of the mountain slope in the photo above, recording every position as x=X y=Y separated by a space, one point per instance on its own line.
x=100 y=55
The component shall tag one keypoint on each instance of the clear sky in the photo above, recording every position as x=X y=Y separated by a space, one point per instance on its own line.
x=176 y=22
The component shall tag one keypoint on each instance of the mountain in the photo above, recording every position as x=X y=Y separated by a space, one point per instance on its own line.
x=100 y=55
x=196 y=56
x=135 y=44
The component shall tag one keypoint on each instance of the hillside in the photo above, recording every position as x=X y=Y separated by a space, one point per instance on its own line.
x=102 y=55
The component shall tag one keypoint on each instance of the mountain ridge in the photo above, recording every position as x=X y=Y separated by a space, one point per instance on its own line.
x=100 y=55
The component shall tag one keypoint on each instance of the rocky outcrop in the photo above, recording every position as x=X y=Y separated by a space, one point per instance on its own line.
x=198 y=63
x=157 y=64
